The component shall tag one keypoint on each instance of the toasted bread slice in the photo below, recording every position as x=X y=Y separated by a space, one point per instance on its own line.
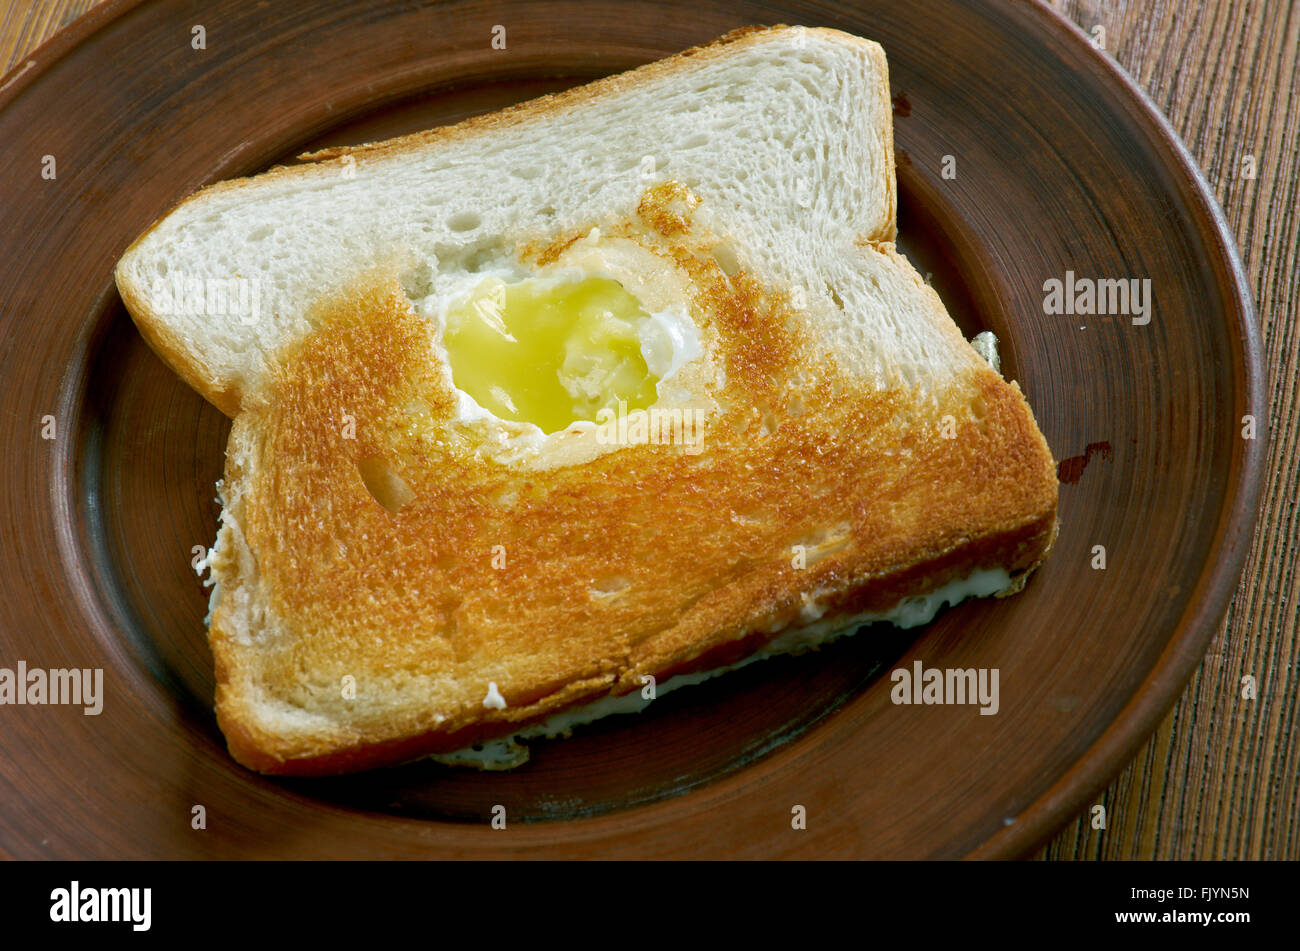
x=395 y=578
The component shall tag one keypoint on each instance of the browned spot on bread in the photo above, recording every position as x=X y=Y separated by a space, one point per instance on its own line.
x=667 y=208
x=545 y=252
x=869 y=243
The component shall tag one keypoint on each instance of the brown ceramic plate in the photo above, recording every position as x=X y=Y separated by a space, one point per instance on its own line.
x=1061 y=165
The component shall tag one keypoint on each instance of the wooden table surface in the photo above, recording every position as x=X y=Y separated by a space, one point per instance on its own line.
x=1220 y=778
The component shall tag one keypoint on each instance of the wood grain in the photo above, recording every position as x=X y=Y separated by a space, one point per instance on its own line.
x=1219 y=778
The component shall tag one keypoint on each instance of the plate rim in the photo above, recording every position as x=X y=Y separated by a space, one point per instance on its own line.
x=1185 y=649
x=1237 y=521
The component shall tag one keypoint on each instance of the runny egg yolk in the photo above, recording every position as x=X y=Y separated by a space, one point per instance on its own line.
x=550 y=353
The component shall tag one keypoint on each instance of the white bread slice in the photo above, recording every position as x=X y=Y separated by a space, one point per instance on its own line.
x=789 y=130
x=848 y=418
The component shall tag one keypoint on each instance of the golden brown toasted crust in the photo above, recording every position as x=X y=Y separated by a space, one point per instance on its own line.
x=699 y=547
